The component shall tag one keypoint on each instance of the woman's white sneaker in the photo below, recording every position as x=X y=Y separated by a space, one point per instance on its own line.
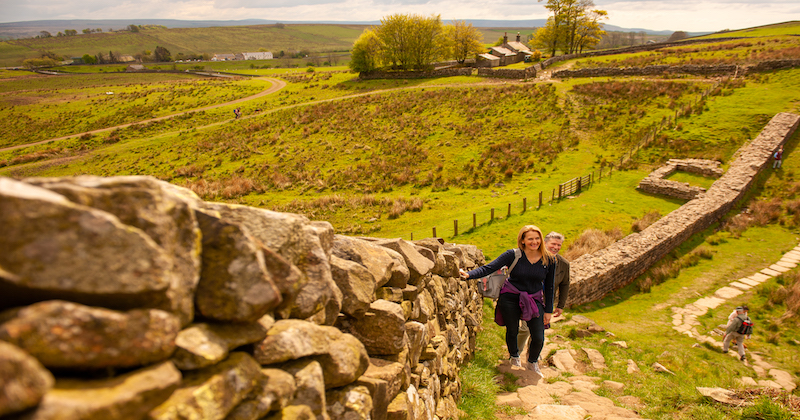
x=534 y=367
x=515 y=361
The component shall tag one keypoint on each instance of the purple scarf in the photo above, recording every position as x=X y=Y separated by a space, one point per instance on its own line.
x=527 y=302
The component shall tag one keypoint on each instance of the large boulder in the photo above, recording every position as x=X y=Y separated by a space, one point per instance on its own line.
x=356 y=283
x=374 y=258
x=302 y=243
x=349 y=402
x=382 y=329
x=234 y=283
x=70 y=335
x=157 y=209
x=309 y=377
x=274 y=390
x=23 y=380
x=202 y=345
x=418 y=265
x=53 y=247
x=129 y=396
x=211 y=393
x=343 y=358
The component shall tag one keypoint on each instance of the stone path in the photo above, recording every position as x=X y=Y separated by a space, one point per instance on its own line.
x=573 y=397
x=684 y=320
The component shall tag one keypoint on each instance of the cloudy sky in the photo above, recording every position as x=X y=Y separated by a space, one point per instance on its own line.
x=686 y=15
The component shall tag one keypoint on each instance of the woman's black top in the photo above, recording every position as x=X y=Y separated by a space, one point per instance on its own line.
x=525 y=276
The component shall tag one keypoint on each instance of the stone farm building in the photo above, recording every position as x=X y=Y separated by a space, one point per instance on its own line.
x=243 y=56
x=505 y=54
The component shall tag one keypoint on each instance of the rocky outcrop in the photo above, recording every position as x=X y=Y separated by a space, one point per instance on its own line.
x=130 y=298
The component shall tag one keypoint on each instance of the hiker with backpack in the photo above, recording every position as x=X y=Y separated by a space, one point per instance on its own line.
x=526 y=295
x=778 y=158
x=740 y=328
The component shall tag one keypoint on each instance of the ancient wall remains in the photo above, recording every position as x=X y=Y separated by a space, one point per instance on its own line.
x=657 y=183
x=526 y=73
x=130 y=298
x=449 y=72
x=594 y=275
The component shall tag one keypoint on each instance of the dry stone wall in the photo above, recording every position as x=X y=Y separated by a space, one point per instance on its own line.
x=594 y=275
x=131 y=298
x=527 y=73
x=656 y=182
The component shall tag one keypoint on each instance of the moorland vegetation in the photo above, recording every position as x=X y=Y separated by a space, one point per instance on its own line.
x=388 y=158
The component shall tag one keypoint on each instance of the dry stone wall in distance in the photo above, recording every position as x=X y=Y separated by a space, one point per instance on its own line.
x=130 y=298
x=594 y=275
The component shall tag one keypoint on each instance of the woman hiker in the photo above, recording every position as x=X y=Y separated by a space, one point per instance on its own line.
x=527 y=295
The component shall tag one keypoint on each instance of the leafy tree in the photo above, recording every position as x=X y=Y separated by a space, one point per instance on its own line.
x=45 y=34
x=366 y=52
x=465 y=40
x=162 y=54
x=572 y=27
x=411 y=42
x=33 y=63
x=70 y=32
x=677 y=36
x=86 y=31
x=112 y=58
x=88 y=59
x=133 y=28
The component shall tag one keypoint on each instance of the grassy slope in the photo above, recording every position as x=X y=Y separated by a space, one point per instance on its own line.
x=314 y=38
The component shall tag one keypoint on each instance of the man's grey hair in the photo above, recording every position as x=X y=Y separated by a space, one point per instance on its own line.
x=554 y=235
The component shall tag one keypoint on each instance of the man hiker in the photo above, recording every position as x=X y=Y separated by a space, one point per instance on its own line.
x=738 y=330
x=552 y=242
x=778 y=156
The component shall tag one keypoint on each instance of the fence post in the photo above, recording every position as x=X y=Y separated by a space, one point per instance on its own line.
x=474 y=220
x=509 y=210
x=554 y=195
x=578 y=188
x=412 y=236
x=492 y=218
x=540 y=198
x=455 y=227
x=524 y=204
x=434 y=232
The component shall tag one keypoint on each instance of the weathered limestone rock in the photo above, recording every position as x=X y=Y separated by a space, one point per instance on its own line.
x=202 y=345
x=293 y=412
x=399 y=408
x=417 y=341
x=159 y=211
x=632 y=367
x=234 y=283
x=390 y=372
x=596 y=358
x=560 y=412
x=304 y=244
x=564 y=361
x=722 y=395
x=129 y=396
x=658 y=367
x=400 y=272
x=356 y=283
x=211 y=393
x=310 y=386
x=23 y=380
x=417 y=264
x=349 y=402
x=374 y=258
x=378 y=390
x=341 y=355
x=54 y=247
x=69 y=335
x=273 y=391
x=382 y=329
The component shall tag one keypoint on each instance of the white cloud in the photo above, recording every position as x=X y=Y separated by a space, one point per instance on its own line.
x=684 y=15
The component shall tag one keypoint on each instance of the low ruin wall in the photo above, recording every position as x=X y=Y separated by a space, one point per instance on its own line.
x=656 y=182
x=130 y=298
x=527 y=73
x=595 y=275
x=449 y=72
x=702 y=70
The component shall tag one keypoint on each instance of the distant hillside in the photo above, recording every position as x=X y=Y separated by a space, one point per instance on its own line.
x=28 y=29
x=211 y=40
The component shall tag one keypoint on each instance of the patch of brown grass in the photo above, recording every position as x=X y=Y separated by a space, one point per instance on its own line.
x=592 y=240
x=648 y=219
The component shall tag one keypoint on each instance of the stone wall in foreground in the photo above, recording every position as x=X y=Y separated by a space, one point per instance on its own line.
x=594 y=275
x=130 y=298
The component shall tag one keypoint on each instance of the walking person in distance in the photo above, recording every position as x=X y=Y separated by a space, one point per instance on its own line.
x=738 y=330
x=527 y=295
